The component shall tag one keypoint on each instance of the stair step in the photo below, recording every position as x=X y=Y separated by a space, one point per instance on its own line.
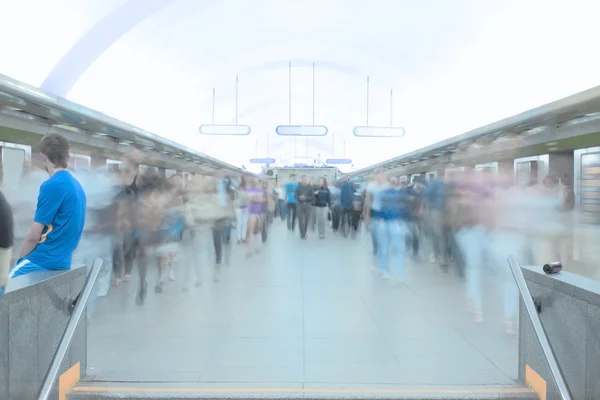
x=154 y=390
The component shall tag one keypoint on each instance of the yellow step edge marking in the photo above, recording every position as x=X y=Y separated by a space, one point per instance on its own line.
x=292 y=390
x=535 y=382
x=67 y=380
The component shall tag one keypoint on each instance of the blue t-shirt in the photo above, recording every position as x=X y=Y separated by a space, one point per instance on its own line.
x=172 y=227
x=61 y=208
x=290 y=192
x=395 y=204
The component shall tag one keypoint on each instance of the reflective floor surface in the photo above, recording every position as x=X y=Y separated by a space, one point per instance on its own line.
x=302 y=312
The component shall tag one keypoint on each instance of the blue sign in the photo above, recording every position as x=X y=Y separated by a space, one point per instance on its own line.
x=338 y=161
x=262 y=161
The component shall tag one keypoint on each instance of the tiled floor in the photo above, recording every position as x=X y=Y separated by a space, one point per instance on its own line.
x=308 y=312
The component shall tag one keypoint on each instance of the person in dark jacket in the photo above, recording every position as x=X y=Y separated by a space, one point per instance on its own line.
x=304 y=196
x=6 y=241
x=348 y=213
x=322 y=203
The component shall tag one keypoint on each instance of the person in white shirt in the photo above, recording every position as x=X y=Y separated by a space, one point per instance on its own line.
x=281 y=206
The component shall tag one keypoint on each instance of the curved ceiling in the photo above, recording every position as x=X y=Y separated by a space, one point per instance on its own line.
x=452 y=66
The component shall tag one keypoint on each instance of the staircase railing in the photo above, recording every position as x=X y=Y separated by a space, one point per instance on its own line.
x=540 y=332
x=78 y=307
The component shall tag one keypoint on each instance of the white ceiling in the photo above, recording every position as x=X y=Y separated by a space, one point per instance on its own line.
x=452 y=64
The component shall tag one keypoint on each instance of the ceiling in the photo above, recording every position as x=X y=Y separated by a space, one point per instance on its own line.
x=452 y=66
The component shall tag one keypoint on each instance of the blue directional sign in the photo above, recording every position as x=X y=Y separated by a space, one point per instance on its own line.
x=338 y=161
x=262 y=161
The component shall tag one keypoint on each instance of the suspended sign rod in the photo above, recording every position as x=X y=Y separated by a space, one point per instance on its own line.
x=313 y=104
x=213 y=107
x=313 y=94
x=290 y=107
x=236 y=98
x=290 y=94
x=368 y=101
x=226 y=130
x=391 y=107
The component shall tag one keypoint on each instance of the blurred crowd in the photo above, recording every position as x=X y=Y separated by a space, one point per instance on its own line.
x=137 y=216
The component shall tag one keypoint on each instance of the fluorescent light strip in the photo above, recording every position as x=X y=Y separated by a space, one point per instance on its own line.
x=225 y=130
x=378 y=131
x=301 y=130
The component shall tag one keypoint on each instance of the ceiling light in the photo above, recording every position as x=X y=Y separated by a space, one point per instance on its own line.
x=225 y=130
x=377 y=131
x=301 y=130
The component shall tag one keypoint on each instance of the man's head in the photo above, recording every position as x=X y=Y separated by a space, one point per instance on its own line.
x=55 y=152
x=292 y=177
x=380 y=176
x=304 y=179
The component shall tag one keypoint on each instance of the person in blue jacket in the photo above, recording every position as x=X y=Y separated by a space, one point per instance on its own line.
x=390 y=225
x=290 y=196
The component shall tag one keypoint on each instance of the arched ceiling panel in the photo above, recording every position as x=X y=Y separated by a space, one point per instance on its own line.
x=37 y=34
x=453 y=65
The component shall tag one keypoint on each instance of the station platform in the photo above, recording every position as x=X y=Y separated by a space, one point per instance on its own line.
x=302 y=314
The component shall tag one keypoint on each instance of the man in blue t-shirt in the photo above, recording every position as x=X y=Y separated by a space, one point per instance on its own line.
x=290 y=196
x=59 y=217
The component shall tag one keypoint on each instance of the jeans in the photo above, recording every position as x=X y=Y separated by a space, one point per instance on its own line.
x=304 y=210
x=472 y=241
x=335 y=217
x=195 y=248
x=439 y=236
x=503 y=244
x=282 y=209
x=390 y=236
x=227 y=231
x=321 y=215
x=241 y=223
x=219 y=231
x=267 y=219
x=124 y=249
x=291 y=216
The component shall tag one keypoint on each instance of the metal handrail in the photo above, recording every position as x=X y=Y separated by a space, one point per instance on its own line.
x=67 y=337
x=540 y=332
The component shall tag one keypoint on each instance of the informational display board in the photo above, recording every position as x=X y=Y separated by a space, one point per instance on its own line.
x=527 y=172
x=79 y=161
x=283 y=175
x=12 y=167
x=491 y=168
x=590 y=188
